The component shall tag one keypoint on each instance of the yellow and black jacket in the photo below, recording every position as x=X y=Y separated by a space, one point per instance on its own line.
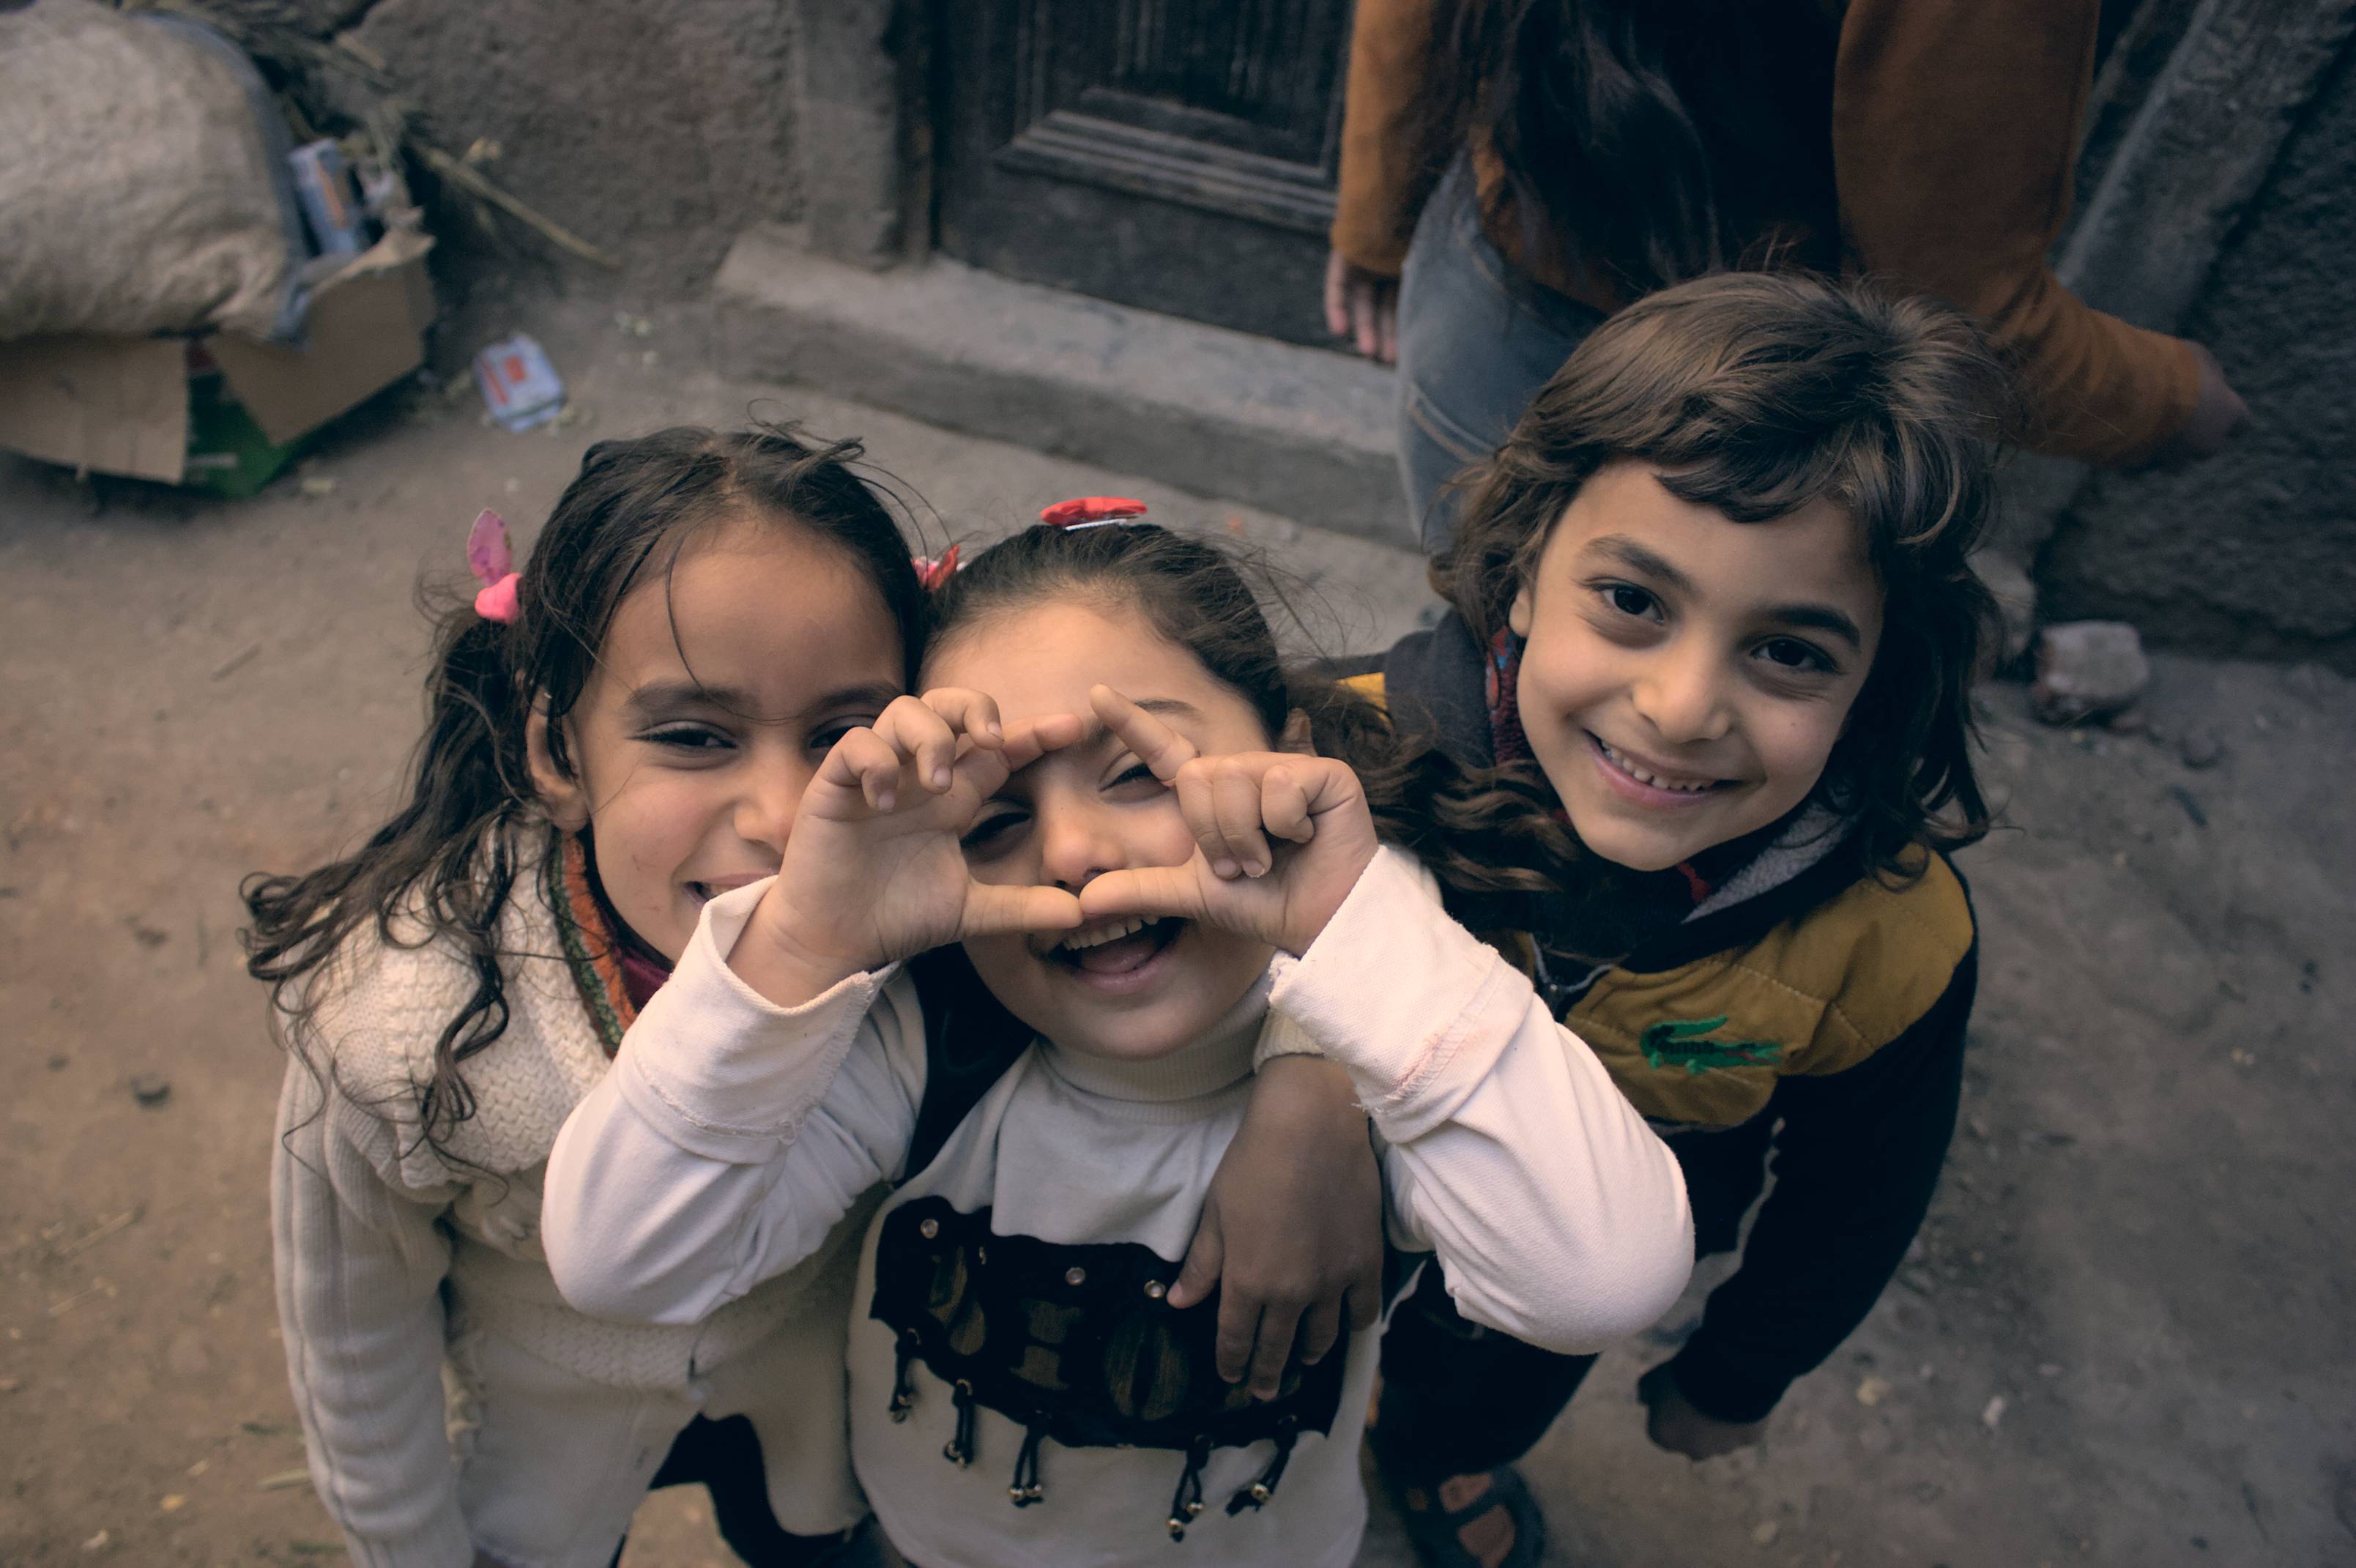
x=1801 y=1006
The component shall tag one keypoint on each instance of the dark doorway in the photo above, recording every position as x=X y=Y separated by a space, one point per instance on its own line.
x=1177 y=155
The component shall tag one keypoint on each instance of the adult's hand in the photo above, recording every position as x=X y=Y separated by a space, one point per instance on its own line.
x=1362 y=307
x=2218 y=415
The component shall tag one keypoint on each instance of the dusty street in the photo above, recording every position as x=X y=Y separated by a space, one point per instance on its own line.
x=2125 y=1339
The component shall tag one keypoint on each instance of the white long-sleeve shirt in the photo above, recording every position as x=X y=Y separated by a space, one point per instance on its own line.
x=396 y=1262
x=733 y=1133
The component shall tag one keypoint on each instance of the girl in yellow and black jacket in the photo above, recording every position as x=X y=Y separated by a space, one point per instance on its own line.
x=1692 y=745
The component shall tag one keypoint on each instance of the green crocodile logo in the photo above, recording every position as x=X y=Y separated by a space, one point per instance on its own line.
x=1674 y=1042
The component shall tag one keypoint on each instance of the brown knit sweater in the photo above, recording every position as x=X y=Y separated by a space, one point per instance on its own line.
x=1955 y=130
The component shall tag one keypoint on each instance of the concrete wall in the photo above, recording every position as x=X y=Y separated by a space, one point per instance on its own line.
x=2254 y=552
x=654 y=129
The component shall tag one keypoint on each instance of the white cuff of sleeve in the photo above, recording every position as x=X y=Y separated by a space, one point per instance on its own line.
x=724 y=1071
x=1417 y=1007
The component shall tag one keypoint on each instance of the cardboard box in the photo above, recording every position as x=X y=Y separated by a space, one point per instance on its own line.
x=219 y=411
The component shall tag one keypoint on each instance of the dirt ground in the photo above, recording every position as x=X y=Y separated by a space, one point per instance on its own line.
x=2124 y=1338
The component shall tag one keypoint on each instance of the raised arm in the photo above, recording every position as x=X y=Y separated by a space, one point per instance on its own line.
x=359 y=1263
x=776 y=1077
x=1559 y=1216
x=730 y=1135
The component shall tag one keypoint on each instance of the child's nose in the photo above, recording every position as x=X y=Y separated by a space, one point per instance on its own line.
x=1073 y=846
x=1682 y=697
x=772 y=794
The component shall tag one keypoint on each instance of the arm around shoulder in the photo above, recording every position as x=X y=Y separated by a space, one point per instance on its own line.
x=731 y=1134
x=1560 y=1218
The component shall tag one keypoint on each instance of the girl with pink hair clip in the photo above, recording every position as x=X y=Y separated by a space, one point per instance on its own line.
x=618 y=733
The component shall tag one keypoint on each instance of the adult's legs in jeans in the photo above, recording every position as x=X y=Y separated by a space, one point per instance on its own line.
x=1475 y=343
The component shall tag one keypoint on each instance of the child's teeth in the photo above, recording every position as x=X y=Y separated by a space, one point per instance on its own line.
x=1097 y=936
x=1641 y=777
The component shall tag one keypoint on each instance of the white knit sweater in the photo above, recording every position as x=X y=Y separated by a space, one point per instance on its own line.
x=733 y=1135
x=396 y=1263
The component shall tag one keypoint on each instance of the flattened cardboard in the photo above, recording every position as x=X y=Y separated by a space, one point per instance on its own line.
x=116 y=404
x=120 y=405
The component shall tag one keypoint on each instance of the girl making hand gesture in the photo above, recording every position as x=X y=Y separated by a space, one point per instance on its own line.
x=1158 y=894
x=620 y=733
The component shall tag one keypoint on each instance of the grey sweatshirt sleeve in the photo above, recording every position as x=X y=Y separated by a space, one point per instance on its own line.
x=359 y=1263
x=1559 y=1216
x=730 y=1135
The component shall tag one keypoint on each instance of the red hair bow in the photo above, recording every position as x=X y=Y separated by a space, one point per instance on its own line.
x=1091 y=511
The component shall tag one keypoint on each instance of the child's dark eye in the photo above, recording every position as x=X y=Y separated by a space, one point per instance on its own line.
x=689 y=737
x=1629 y=600
x=823 y=738
x=1137 y=774
x=992 y=832
x=1790 y=653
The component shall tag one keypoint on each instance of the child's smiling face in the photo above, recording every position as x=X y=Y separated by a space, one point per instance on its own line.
x=1110 y=990
x=1687 y=676
x=719 y=690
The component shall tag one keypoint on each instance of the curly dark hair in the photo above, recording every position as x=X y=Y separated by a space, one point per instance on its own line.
x=444 y=868
x=1756 y=394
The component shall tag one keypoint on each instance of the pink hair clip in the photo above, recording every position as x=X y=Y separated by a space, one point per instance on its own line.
x=1092 y=511
x=493 y=563
x=932 y=572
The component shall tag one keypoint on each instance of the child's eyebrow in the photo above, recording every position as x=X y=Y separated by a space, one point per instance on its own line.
x=664 y=696
x=1819 y=617
x=1636 y=558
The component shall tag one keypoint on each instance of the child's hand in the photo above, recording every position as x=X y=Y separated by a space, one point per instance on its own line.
x=1292 y=1227
x=1236 y=881
x=872 y=870
x=1677 y=1425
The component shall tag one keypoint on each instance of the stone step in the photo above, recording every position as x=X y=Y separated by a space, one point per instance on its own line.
x=1305 y=432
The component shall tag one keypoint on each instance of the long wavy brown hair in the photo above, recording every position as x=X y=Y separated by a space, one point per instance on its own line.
x=1756 y=394
x=445 y=866
x=1645 y=142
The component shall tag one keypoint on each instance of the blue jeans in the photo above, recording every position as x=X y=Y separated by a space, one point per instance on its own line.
x=1477 y=341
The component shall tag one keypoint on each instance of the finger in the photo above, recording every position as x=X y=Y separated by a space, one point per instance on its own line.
x=1028 y=740
x=1231 y=1348
x=1205 y=1260
x=1157 y=746
x=1277 y=1321
x=971 y=713
x=1362 y=319
x=1365 y=1301
x=991 y=910
x=1337 y=319
x=1320 y=1327
x=864 y=761
x=1387 y=324
x=1285 y=806
x=1197 y=803
x=1154 y=891
x=1234 y=798
x=923 y=737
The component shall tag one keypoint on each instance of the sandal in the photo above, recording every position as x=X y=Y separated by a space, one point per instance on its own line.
x=1437 y=1530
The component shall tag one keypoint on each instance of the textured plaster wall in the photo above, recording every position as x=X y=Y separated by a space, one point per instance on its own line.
x=654 y=129
x=2254 y=552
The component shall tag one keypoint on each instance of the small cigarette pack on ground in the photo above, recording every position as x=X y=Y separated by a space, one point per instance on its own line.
x=519 y=386
x=324 y=182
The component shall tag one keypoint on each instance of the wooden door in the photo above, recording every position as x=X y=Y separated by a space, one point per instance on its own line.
x=1177 y=155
